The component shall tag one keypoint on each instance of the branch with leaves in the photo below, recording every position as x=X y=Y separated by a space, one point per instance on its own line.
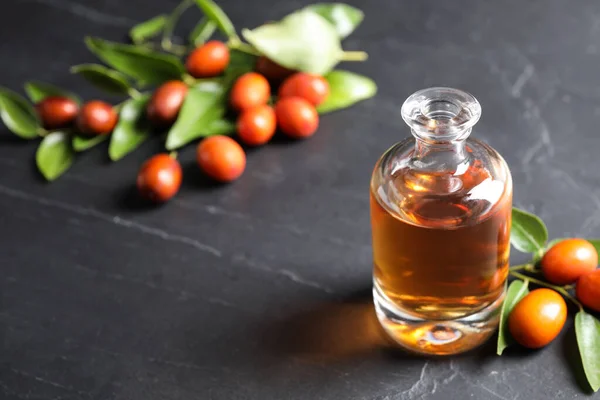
x=561 y=265
x=308 y=40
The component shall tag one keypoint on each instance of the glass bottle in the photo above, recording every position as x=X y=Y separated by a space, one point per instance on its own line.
x=440 y=215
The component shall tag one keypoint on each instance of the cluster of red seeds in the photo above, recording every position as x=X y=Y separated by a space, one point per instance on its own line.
x=221 y=157
x=94 y=118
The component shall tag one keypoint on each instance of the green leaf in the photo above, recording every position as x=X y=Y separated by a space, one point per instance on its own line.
x=220 y=127
x=18 y=115
x=54 y=155
x=148 y=29
x=204 y=104
x=344 y=18
x=345 y=89
x=132 y=130
x=240 y=59
x=516 y=291
x=103 y=78
x=303 y=41
x=239 y=63
x=82 y=142
x=528 y=233
x=587 y=330
x=216 y=14
x=144 y=65
x=38 y=91
x=202 y=31
x=212 y=85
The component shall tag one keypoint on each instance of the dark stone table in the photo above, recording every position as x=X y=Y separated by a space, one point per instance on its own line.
x=261 y=289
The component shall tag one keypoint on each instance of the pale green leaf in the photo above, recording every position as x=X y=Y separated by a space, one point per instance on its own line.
x=528 y=233
x=220 y=126
x=202 y=31
x=54 y=155
x=103 y=78
x=148 y=29
x=303 y=41
x=18 y=115
x=516 y=291
x=203 y=105
x=344 y=17
x=345 y=89
x=216 y=14
x=38 y=91
x=82 y=142
x=142 y=64
x=132 y=130
x=587 y=330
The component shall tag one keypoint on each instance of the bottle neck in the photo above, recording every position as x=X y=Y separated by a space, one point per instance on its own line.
x=445 y=154
x=441 y=119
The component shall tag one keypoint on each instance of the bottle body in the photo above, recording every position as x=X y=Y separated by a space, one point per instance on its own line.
x=440 y=215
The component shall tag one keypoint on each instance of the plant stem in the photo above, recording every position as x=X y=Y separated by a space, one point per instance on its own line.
x=188 y=79
x=540 y=253
x=559 y=289
x=243 y=47
x=525 y=267
x=166 y=42
x=354 y=56
x=519 y=267
x=233 y=42
x=178 y=49
x=173 y=155
x=134 y=93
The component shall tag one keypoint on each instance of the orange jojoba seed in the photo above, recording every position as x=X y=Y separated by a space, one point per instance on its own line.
x=208 y=60
x=588 y=290
x=313 y=88
x=256 y=126
x=567 y=260
x=159 y=178
x=221 y=158
x=296 y=117
x=164 y=106
x=57 y=111
x=249 y=90
x=538 y=318
x=96 y=118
